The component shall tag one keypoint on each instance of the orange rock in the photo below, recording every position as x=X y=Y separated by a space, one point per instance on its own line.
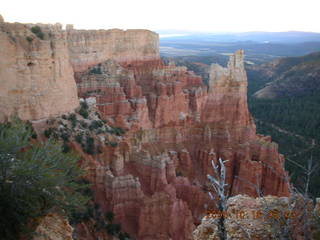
x=173 y=134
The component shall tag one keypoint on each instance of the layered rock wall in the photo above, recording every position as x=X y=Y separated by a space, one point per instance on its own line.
x=36 y=76
x=90 y=47
x=37 y=73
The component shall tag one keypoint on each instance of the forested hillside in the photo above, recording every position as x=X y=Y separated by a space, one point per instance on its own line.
x=292 y=118
x=294 y=76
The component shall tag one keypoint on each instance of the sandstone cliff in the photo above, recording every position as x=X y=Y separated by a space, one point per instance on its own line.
x=90 y=47
x=36 y=76
x=36 y=73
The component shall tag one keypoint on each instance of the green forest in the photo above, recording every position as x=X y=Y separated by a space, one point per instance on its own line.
x=294 y=123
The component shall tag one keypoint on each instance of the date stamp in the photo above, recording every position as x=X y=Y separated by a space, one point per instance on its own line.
x=252 y=214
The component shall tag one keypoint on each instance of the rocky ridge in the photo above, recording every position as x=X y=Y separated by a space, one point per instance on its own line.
x=36 y=75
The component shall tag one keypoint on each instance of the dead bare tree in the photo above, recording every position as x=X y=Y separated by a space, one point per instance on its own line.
x=220 y=195
x=311 y=168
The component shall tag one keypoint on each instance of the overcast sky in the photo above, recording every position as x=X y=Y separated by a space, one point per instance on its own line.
x=201 y=15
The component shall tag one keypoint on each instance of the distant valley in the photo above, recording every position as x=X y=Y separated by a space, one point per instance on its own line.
x=260 y=47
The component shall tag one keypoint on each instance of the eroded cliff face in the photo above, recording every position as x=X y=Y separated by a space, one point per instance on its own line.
x=154 y=180
x=36 y=76
x=156 y=184
x=90 y=47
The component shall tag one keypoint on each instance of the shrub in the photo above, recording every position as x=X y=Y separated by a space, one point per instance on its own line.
x=109 y=216
x=65 y=136
x=119 y=131
x=84 y=113
x=117 y=227
x=89 y=147
x=95 y=125
x=84 y=105
x=29 y=39
x=33 y=132
x=73 y=119
x=113 y=144
x=95 y=70
x=113 y=229
x=116 y=130
x=123 y=236
x=48 y=132
x=38 y=32
x=110 y=229
x=100 y=131
x=34 y=135
x=78 y=217
x=83 y=124
x=84 y=109
x=34 y=178
x=79 y=138
x=66 y=148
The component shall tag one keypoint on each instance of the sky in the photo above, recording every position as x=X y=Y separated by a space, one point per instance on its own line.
x=195 y=15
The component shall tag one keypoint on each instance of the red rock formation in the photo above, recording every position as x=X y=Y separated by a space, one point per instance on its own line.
x=180 y=126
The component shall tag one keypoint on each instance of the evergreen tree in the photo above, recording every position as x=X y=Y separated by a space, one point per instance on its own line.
x=34 y=179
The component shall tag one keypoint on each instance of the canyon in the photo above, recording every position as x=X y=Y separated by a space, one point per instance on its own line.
x=155 y=179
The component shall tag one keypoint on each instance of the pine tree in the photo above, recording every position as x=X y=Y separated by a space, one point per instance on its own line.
x=34 y=179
